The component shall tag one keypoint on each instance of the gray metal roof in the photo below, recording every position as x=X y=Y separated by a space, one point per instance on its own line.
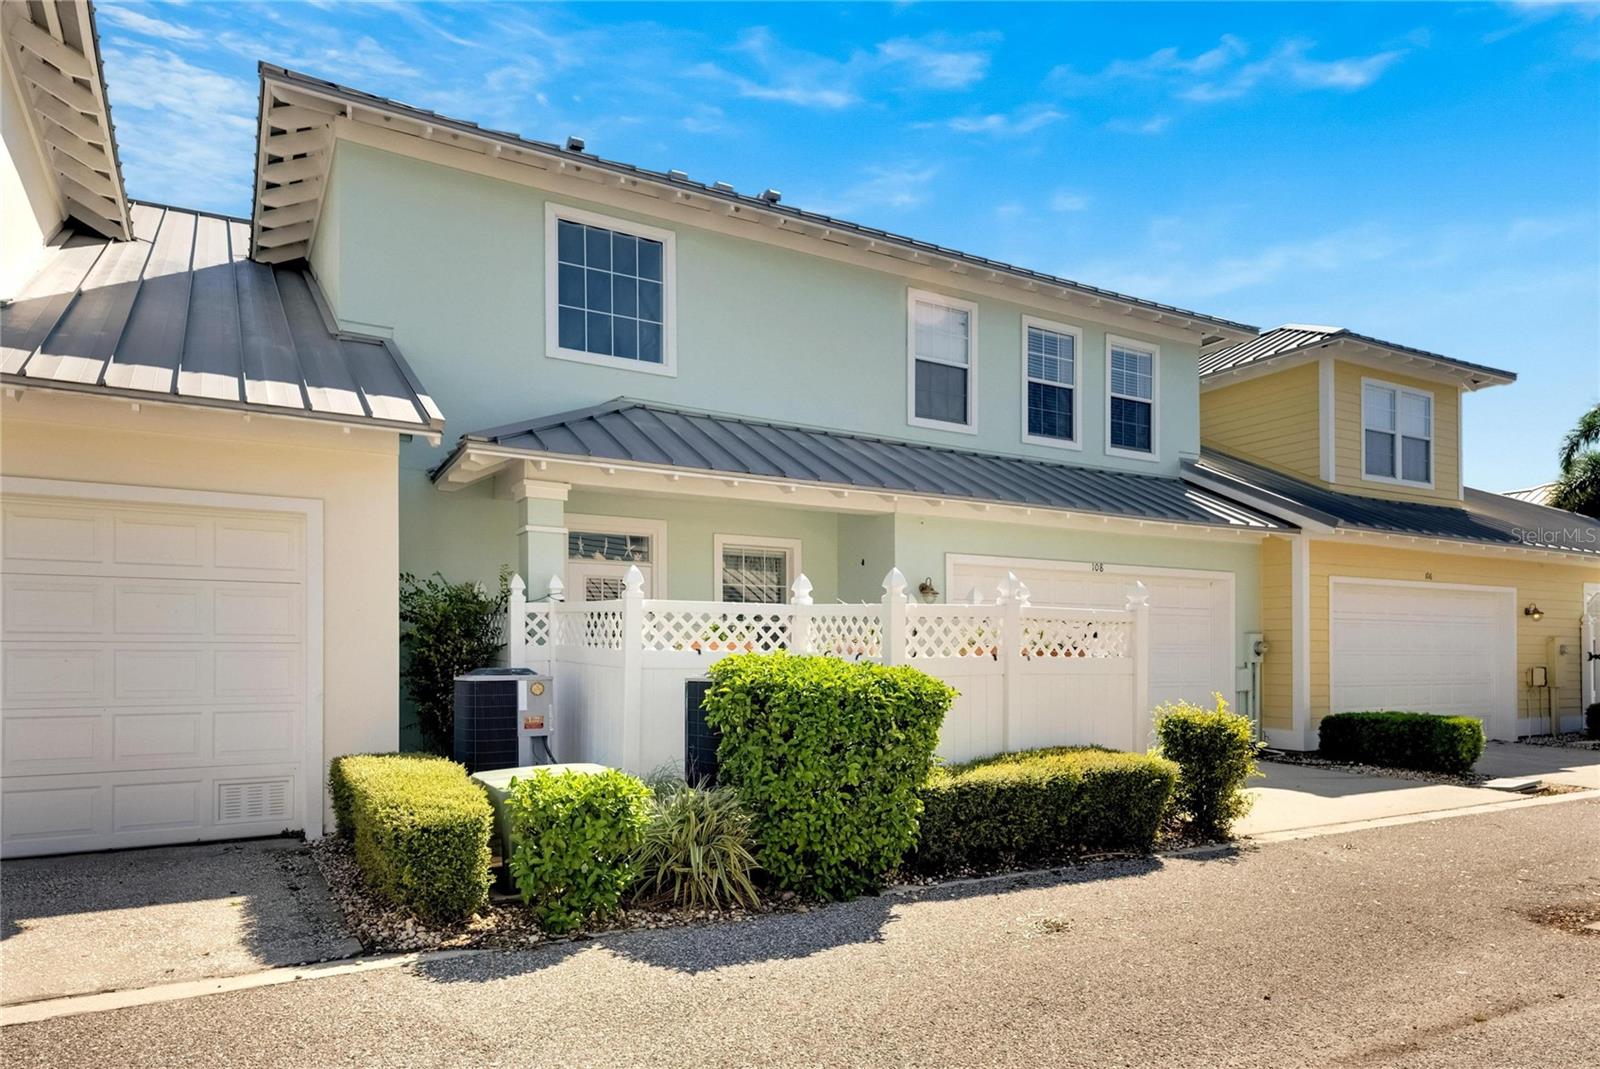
x=1482 y=517
x=181 y=313
x=716 y=191
x=1296 y=337
x=635 y=432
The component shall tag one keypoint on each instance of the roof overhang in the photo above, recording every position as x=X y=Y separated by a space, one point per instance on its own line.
x=475 y=461
x=1371 y=352
x=53 y=51
x=300 y=118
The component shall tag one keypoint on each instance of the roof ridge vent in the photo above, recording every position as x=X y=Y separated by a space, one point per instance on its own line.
x=574 y=144
x=722 y=187
x=678 y=176
x=771 y=196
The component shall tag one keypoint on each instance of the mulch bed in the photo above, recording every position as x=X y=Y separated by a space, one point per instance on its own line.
x=503 y=923
x=1471 y=779
x=1571 y=740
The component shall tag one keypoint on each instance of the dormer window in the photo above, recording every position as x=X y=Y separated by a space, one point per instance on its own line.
x=1396 y=434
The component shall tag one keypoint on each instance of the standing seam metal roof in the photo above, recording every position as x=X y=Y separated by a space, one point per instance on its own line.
x=182 y=312
x=1482 y=517
x=634 y=431
x=1292 y=337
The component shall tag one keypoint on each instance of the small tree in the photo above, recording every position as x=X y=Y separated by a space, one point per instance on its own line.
x=1216 y=754
x=446 y=629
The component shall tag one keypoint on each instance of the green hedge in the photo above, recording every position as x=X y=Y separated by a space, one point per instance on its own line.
x=1420 y=741
x=1215 y=751
x=577 y=836
x=1039 y=805
x=421 y=830
x=827 y=757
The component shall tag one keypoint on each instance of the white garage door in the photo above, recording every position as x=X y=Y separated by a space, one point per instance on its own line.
x=155 y=683
x=1427 y=649
x=1191 y=614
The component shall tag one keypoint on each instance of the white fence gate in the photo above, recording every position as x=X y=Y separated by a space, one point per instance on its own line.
x=1027 y=675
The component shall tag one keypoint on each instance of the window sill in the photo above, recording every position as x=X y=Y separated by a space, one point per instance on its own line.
x=941 y=425
x=1151 y=457
x=1382 y=480
x=618 y=363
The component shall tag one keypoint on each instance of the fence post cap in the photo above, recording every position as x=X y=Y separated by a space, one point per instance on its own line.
x=1021 y=592
x=975 y=596
x=556 y=589
x=895 y=582
x=633 y=582
x=1138 y=595
x=801 y=589
x=517 y=586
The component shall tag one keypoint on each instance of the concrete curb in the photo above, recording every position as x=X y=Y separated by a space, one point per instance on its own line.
x=72 y=1005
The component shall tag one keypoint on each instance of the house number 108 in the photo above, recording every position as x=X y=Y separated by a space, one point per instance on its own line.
x=1097 y=567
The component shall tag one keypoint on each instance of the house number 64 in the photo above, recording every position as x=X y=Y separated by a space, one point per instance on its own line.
x=1427 y=575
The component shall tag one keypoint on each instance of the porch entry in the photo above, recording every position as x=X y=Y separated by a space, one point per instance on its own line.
x=601 y=549
x=1191 y=613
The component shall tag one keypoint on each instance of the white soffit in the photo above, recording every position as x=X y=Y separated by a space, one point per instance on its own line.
x=54 y=50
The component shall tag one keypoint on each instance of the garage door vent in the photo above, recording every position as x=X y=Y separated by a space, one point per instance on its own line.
x=250 y=801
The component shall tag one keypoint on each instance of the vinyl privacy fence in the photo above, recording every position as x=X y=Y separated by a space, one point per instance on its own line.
x=1028 y=675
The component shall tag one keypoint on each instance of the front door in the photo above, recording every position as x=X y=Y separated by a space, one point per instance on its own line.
x=600 y=552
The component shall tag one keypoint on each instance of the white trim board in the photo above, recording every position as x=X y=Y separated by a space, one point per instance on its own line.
x=313 y=790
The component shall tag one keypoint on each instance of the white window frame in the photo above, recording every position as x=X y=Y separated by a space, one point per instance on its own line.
x=1399 y=463
x=655 y=530
x=553 y=214
x=1076 y=441
x=721 y=542
x=1154 y=456
x=971 y=308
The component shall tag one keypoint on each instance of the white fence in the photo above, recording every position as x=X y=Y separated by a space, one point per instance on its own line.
x=1028 y=675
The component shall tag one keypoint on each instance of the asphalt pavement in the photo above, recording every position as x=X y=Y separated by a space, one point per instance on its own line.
x=1453 y=943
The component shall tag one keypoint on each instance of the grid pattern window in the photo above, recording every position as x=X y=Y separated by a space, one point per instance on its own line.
x=751 y=574
x=610 y=293
x=1052 y=381
x=1397 y=433
x=1132 y=398
x=599 y=546
x=941 y=337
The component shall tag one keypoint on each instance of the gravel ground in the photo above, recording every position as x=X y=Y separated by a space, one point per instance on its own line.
x=1471 y=779
x=1572 y=740
x=1456 y=943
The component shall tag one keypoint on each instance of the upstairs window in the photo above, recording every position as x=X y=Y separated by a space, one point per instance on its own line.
x=1051 y=373
x=610 y=299
x=1396 y=434
x=1131 y=398
x=941 y=358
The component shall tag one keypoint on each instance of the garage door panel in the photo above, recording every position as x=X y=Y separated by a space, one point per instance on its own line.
x=1191 y=635
x=1435 y=650
x=154 y=674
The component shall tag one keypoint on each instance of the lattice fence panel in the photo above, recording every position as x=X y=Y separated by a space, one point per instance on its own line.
x=715 y=630
x=540 y=628
x=847 y=632
x=1049 y=637
x=962 y=634
x=595 y=629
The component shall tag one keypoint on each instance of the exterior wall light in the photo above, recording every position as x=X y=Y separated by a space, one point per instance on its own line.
x=1534 y=611
x=927 y=589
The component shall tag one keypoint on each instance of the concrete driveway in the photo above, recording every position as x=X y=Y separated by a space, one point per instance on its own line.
x=114 y=921
x=1553 y=764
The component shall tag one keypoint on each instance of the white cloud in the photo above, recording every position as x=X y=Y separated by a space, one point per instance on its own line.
x=896 y=188
x=186 y=134
x=1290 y=65
x=1064 y=200
x=127 y=18
x=1000 y=125
x=929 y=65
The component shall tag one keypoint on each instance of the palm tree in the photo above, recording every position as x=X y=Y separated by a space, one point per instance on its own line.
x=1577 y=489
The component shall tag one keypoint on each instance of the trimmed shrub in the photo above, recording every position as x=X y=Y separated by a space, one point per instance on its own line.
x=577 y=835
x=340 y=793
x=698 y=850
x=1038 y=805
x=1422 y=741
x=1591 y=721
x=446 y=629
x=421 y=830
x=1215 y=751
x=827 y=756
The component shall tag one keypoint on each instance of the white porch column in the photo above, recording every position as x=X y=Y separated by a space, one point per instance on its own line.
x=541 y=521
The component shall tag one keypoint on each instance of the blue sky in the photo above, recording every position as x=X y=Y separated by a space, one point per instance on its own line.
x=1426 y=173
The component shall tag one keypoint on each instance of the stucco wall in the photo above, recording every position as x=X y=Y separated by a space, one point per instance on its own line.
x=93 y=440
x=763 y=330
